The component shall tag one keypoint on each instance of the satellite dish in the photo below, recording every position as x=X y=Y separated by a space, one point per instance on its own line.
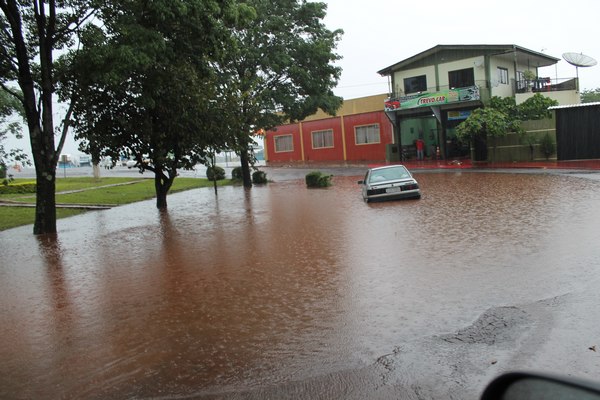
x=579 y=60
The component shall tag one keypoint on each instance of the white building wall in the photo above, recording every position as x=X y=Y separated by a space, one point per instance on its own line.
x=399 y=77
x=502 y=89
x=477 y=63
x=563 y=96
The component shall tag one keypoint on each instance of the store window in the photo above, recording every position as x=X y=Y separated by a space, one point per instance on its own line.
x=322 y=139
x=284 y=143
x=367 y=134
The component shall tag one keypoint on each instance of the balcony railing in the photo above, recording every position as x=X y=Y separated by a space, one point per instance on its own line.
x=545 y=84
x=433 y=89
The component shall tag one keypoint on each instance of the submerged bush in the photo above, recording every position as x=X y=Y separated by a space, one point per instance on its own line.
x=316 y=179
x=547 y=146
x=236 y=173
x=259 y=177
x=215 y=173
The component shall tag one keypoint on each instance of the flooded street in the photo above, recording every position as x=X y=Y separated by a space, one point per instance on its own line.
x=285 y=292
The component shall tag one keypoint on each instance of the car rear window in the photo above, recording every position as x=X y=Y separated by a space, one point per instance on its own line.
x=388 y=174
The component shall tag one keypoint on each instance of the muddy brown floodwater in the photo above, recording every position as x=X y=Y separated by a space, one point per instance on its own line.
x=285 y=292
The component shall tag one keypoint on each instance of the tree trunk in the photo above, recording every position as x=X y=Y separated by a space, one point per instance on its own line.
x=162 y=185
x=245 y=168
x=45 y=207
x=96 y=170
x=161 y=192
x=45 y=159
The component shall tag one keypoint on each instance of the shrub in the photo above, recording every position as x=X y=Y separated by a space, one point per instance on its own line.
x=259 y=177
x=236 y=173
x=2 y=171
x=547 y=146
x=18 y=188
x=316 y=179
x=215 y=173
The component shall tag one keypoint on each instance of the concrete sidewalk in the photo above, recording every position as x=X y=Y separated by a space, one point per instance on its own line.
x=450 y=164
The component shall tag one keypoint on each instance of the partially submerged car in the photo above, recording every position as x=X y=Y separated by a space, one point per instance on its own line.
x=388 y=183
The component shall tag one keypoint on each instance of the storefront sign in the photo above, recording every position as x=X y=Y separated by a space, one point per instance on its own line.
x=433 y=99
x=457 y=115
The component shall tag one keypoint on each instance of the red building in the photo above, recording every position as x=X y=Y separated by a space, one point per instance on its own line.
x=359 y=132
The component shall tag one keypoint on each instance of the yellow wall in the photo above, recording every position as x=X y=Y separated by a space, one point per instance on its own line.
x=354 y=106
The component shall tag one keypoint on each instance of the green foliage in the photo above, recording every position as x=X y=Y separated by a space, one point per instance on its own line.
x=529 y=75
x=316 y=179
x=152 y=64
x=485 y=122
x=215 y=173
x=503 y=116
x=507 y=105
x=18 y=188
x=547 y=146
x=236 y=173
x=590 y=95
x=536 y=107
x=259 y=177
x=279 y=66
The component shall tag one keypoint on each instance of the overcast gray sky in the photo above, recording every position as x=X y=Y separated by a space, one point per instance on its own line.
x=380 y=33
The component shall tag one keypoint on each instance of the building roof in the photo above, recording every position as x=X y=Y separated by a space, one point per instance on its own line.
x=445 y=53
x=597 y=103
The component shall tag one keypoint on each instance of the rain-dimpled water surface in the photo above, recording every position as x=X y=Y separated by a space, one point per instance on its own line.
x=287 y=292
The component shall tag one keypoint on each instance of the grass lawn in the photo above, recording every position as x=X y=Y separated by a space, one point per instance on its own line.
x=11 y=217
x=93 y=191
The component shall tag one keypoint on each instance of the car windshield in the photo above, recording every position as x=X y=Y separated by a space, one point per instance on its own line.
x=388 y=174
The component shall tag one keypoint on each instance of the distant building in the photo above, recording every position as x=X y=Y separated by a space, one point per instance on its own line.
x=359 y=132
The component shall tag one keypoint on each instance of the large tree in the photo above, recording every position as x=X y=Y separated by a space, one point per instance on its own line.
x=30 y=32
x=280 y=66
x=146 y=86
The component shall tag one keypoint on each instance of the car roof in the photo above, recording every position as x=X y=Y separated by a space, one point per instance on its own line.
x=387 y=167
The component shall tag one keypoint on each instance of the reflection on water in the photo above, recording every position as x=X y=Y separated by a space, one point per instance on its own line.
x=278 y=284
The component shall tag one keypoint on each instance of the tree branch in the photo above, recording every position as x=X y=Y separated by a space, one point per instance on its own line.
x=78 y=21
x=66 y=124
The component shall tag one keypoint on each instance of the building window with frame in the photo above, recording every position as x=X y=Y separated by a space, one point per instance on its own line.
x=461 y=78
x=415 y=84
x=503 y=76
x=367 y=134
x=322 y=139
x=521 y=82
x=284 y=143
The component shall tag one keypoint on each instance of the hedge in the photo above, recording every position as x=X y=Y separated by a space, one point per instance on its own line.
x=18 y=188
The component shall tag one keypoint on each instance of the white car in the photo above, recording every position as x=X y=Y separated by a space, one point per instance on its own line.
x=388 y=183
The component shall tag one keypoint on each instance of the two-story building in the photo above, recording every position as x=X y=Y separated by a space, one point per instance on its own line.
x=433 y=91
